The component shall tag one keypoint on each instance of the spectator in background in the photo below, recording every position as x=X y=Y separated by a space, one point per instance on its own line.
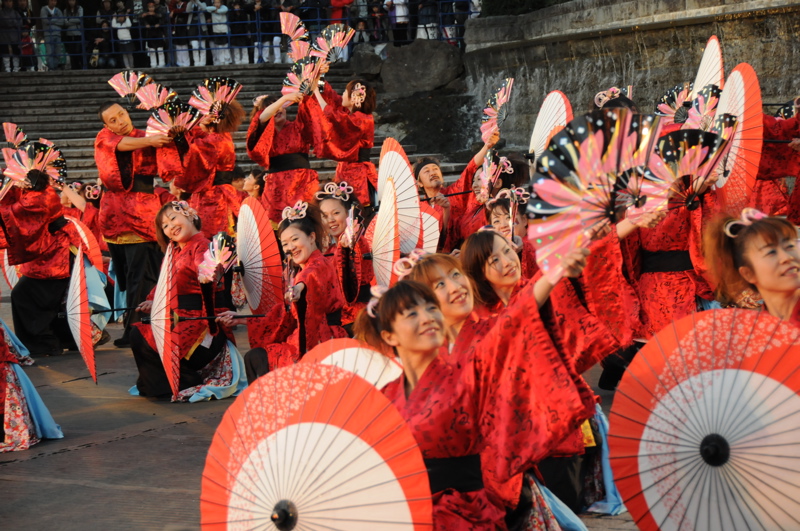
x=198 y=31
x=362 y=35
x=379 y=24
x=239 y=23
x=122 y=24
x=27 y=51
x=219 y=27
x=447 y=20
x=106 y=12
x=399 y=17
x=52 y=22
x=315 y=13
x=461 y=9
x=153 y=35
x=10 y=35
x=359 y=10
x=475 y=8
x=103 y=43
x=179 y=18
x=73 y=34
x=428 y=21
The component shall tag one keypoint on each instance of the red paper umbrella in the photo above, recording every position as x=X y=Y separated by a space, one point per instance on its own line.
x=128 y=83
x=164 y=302
x=79 y=315
x=301 y=76
x=710 y=71
x=386 y=238
x=394 y=164
x=15 y=136
x=10 y=273
x=292 y=26
x=429 y=235
x=314 y=447
x=172 y=119
x=554 y=114
x=704 y=425
x=356 y=357
x=90 y=245
x=739 y=166
x=259 y=257
x=214 y=94
x=332 y=42
x=155 y=95
x=496 y=110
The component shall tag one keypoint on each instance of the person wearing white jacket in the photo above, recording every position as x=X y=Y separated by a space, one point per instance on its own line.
x=219 y=27
x=401 y=20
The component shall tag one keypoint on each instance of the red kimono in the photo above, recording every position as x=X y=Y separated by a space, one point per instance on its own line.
x=348 y=138
x=771 y=195
x=355 y=276
x=274 y=150
x=126 y=214
x=207 y=171
x=314 y=319
x=462 y=213
x=507 y=396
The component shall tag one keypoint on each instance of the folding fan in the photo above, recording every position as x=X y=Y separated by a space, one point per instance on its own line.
x=786 y=111
x=259 y=257
x=173 y=119
x=301 y=76
x=332 y=42
x=10 y=273
x=214 y=94
x=430 y=233
x=15 y=136
x=386 y=238
x=79 y=315
x=554 y=114
x=298 y=50
x=36 y=156
x=313 y=446
x=293 y=27
x=739 y=165
x=703 y=109
x=641 y=135
x=496 y=110
x=673 y=106
x=710 y=71
x=128 y=83
x=356 y=357
x=155 y=95
x=165 y=300
x=394 y=164
x=90 y=246
x=703 y=426
x=493 y=165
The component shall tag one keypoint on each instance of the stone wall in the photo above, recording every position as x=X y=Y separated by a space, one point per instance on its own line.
x=584 y=46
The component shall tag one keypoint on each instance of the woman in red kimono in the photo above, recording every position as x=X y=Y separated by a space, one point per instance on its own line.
x=756 y=253
x=777 y=162
x=353 y=265
x=281 y=147
x=81 y=202
x=199 y=343
x=467 y=426
x=207 y=160
x=450 y=210
x=349 y=134
x=254 y=183
x=283 y=337
x=38 y=237
x=498 y=215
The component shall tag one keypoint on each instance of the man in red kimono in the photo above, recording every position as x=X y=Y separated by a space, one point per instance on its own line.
x=126 y=164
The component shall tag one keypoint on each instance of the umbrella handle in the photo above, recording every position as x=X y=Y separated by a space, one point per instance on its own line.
x=771 y=141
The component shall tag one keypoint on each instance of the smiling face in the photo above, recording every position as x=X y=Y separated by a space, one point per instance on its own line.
x=117 y=120
x=416 y=331
x=334 y=216
x=177 y=227
x=297 y=244
x=454 y=293
x=773 y=267
x=501 y=221
x=430 y=177
x=502 y=268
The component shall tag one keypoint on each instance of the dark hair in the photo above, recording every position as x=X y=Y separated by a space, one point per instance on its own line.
x=162 y=238
x=399 y=298
x=104 y=107
x=258 y=175
x=309 y=225
x=265 y=102
x=238 y=173
x=620 y=102
x=39 y=180
x=422 y=162
x=352 y=201
x=368 y=105
x=521 y=174
x=503 y=205
x=232 y=117
x=426 y=268
x=725 y=255
x=474 y=254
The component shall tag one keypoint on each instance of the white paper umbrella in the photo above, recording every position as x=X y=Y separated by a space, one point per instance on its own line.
x=710 y=71
x=356 y=357
x=394 y=164
x=554 y=114
x=259 y=256
x=386 y=238
x=429 y=236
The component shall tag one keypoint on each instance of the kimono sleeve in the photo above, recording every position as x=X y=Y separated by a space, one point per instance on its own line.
x=320 y=296
x=259 y=141
x=115 y=168
x=348 y=268
x=199 y=164
x=275 y=327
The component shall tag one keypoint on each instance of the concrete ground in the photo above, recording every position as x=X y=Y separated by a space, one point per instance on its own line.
x=125 y=462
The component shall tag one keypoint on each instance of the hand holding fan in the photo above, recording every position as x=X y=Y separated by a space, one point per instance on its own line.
x=15 y=136
x=496 y=110
x=128 y=83
x=332 y=42
x=33 y=161
x=213 y=96
x=301 y=77
x=633 y=188
x=155 y=95
x=492 y=167
x=218 y=258
x=173 y=120
x=554 y=114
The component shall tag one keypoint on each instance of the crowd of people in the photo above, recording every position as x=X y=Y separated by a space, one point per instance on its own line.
x=157 y=33
x=463 y=320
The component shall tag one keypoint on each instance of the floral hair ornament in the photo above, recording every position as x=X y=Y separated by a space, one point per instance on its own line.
x=75 y=186
x=733 y=227
x=377 y=292
x=91 y=191
x=514 y=195
x=298 y=211
x=603 y=97
x=341 y=191
x=357 y=95
x=403 y=266
x=182 y=207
